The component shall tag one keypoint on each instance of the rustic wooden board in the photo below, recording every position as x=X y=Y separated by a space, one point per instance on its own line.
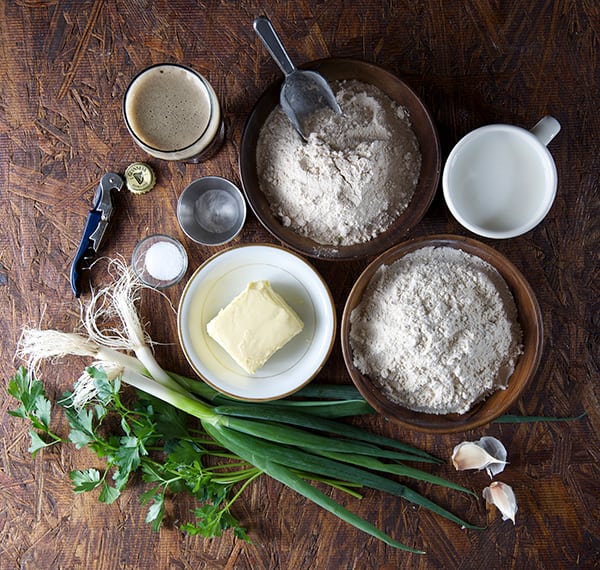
x=65 y=66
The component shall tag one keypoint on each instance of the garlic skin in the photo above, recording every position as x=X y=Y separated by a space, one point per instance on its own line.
x=488 y=453
x=503 y=497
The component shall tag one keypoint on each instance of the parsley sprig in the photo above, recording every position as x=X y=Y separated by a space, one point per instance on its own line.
x=144 y=436
x=35 y=407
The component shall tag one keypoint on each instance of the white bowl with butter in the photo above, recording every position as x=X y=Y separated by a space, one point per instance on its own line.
x=219 y=286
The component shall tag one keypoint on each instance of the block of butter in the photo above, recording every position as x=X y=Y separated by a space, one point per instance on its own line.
x=255 y=325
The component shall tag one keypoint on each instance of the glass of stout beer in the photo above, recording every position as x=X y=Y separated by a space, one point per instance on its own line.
x=173 y=113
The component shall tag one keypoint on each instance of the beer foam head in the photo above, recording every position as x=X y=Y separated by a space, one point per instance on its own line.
x=168 y=107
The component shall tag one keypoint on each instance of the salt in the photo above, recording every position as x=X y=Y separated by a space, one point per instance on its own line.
x=164 y=261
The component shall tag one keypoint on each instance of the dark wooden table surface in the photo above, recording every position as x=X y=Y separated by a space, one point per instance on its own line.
x=65 y=66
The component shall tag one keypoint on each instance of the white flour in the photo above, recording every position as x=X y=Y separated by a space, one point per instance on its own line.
x=353 y=177
x=437 y=329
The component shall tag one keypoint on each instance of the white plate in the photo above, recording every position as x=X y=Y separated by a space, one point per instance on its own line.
x=223 y=277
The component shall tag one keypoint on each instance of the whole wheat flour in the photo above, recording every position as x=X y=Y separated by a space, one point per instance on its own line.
x=437 y=330
x=352 y=178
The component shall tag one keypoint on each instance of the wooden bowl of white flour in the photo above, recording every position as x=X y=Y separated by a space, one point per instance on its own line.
x=441 y=334
x=360 y=183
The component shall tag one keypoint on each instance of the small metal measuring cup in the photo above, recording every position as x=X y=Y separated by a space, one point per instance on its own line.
x=211 y=210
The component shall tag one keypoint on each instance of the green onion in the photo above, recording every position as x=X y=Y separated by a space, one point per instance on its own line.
x=296 y=483
x=328 y=409
x=514 y=419
x=329 y=392
x=258 y=438
x=299 y=459
x=325 y=425
x=396 y=469
x=290 y=440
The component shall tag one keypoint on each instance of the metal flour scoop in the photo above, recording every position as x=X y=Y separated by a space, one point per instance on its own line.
x=302 y=92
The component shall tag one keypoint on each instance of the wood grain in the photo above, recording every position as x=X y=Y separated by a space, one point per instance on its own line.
x=65 y=66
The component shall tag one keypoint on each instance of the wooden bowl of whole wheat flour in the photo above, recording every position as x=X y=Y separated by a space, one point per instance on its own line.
x=441 y=334
x=339 y=219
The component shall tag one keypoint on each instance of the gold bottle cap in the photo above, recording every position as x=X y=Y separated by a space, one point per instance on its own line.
x=139 y=178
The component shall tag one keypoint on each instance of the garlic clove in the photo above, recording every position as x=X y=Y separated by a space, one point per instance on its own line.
x=487 y=453
x=503 y=497
x=469 y=455
x=495 y=448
